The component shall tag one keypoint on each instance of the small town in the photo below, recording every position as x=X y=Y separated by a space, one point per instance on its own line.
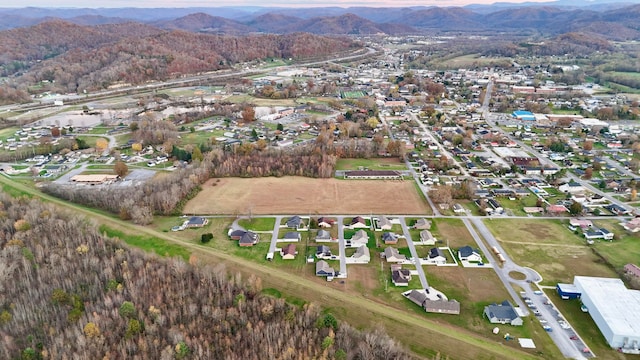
x=497 y=197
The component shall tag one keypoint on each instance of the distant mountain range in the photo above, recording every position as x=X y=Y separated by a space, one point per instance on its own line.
x=613 y=20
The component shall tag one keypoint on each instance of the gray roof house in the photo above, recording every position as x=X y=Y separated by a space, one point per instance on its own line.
x=442 y=306
x=416 y=297
x=197 y=221
x=359 y=238
x=295 y=222
x=392 y=255
x=323 y=235
x=291 y=236
x=361 y=256
x=384 y=223
x=323 y=269
x=427 y=238
x=323 y=251
x=503 y=313
x=389 y=238
x=400 y=277
x=422 y=224
x=249 y=238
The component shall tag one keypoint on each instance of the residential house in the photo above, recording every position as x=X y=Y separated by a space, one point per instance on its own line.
x=458 y=209
x=360 y=238
x=503 y=313
x=436 y=256
x=358 y=222
x=581 y=223
x=595 y=233
x=442 y=306
x=422 y=224
x=323 y=236
x=236 y=234
x=417 y=297
x=467 y=253
x=392 y=255
x=361 y=256
x=295 y=222
x=389 y=238
x=289 y=252
x=400 y=276
x=291 y=236
x=572 y=187
x=617 y=209
x=323 y=269
x=632 y=225
x=248 y=239
x=557 y=209
x=384 y=223
x=325 y=222
x=196 y=222
x=323 y=251
x=426 y=238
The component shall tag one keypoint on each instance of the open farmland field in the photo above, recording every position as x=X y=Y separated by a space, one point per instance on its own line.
x=299 y=195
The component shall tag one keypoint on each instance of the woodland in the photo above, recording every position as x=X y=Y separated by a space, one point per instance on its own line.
x=74 y=58
x=68 y=292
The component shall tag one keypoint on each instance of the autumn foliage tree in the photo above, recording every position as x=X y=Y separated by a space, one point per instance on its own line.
x=248 y=114
x=114 y=302
x=120 y=168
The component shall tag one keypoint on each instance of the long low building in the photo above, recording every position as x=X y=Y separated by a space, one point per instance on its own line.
x=614 y=308
x=93 y=179
x=373 y=174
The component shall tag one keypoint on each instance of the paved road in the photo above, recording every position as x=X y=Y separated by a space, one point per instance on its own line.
x=414 y=253
x=568 y=347
x=343 y=256
x=274 y=235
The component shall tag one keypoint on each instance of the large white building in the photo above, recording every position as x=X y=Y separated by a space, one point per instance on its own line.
x=614 y=308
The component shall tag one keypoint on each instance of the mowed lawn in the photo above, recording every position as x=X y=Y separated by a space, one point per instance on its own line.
x=300 y=195
x=549 y=247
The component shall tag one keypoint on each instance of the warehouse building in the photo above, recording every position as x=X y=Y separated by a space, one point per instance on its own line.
x=615 y=310
x=568 y=291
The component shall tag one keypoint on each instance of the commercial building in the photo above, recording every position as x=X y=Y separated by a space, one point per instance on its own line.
x=614 y=308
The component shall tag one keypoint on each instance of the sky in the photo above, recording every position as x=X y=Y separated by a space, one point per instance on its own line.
x=263 y=3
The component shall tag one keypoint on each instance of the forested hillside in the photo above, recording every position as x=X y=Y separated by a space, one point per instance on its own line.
x=67 y=292
x=74 y=58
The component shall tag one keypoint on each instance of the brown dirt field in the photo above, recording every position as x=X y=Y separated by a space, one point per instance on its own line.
x=300 y=195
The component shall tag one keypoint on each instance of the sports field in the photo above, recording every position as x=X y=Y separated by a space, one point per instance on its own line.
x=300 y=195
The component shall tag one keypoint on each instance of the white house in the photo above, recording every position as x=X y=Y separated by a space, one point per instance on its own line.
x=361 y=256
x=467 y=253
x=392 y=255
x=360 y=238
x=436 y=257
x=426 y=238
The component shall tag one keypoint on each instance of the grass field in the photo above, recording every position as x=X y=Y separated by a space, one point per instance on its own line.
x=258 y=224
x=372 y=164
x=621 y=251
x=549 y=247
x=158 y=246
x=299 y=195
